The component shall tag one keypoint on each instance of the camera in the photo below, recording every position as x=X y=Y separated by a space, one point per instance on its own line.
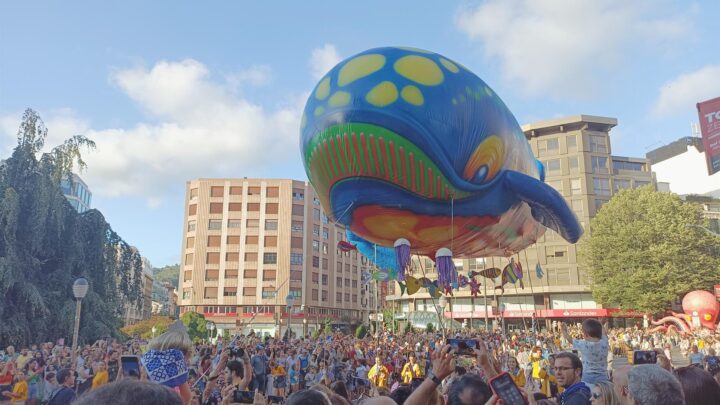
x=237 y=351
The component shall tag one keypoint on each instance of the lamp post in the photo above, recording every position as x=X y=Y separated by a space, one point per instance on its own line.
x=153 y=330
x=289 y=301
x=304 y=326
x=502 y=318
x=80 y=288
x=210 y=326
x=441 y=314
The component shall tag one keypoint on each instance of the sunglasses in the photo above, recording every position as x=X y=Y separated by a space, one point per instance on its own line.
x=596 y=395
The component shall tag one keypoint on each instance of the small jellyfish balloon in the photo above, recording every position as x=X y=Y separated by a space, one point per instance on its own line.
x=402 y=143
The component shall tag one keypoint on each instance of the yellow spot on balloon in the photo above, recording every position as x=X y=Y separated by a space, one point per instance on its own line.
x=449 y=65
x=412 y=95
x=303 y=121
x=383 y=94
x=323 y=89
x=461 y=98
x=339 y=99
x=360 y=67
x=419 y=69
x=411 y=49
x=454 y=101
x=319 y=111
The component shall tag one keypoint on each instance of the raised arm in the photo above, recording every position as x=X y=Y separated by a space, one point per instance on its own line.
x=443 y=364
x=566 y=335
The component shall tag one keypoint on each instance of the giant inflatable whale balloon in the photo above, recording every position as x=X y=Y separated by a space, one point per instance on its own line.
x=409 y=149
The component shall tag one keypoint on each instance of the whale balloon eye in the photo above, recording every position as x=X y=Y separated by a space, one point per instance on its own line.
x=486 y=161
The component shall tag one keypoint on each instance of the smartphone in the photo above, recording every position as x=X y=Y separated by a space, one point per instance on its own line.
x=644 y=357
x=274 y=399
x=243 y=397
x=130 y=366
x=504 y=388
x=463 y=347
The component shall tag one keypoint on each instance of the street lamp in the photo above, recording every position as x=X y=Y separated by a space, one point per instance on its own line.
x=501 y=307
x=80 y=288
x=289 y=301
x=209 y=326
x=153 y=330
x=304 y=326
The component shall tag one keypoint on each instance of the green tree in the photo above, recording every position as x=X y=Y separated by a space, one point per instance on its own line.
x=644 y=250
x=45 y=245
x=408 y=328
x=167 y=274
x=389 y=319
x=361 y=331
x=144 y=327
x=429 y=328
x=195 y=325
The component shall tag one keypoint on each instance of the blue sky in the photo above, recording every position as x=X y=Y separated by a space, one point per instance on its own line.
x=175 y=90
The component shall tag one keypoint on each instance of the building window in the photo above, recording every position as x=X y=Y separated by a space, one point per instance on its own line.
x=598 y=144
x=296 y=258
x=213 y=241
x=216 y=208
x=316 y=231
x=599 y=203
x=601 y=186
x=233 y=240
x=217 y=191
x=316 y=214
x=234 y=223
x=295 y=292
x=230 y=292
x=621 y=184
x=188 y=275
x=192 y=209
x=553 y=165
x=347 y=267
x=269 y=258
x=338 y=282
x=315 y=278
x=324 y=279
x=325 y=234
x=191 y=226
x=548 y=147
x=211 y=292
x=187 y=292
x=347 y=283
x=325 y=248
x=316 y=201
x=193 y=193
x=556 y=184
x=316 y=246
x=252 y=223
x=298 y=195
x=347 y=297
x=236 y=190
x=296 y=242
x=354 y=284
x=639 y=183
x=253 y=190
x=250 y=273
x=316 y=261
x=214 y=224
x=271 y=208
x=249 y=291
x=271 y=224
x=338 y=297
x=631 y=166
x=251 y=240
x=324 y=218
x=298 y=210
x=253 y=207
x=297 y=226
x=189 y=259
x=190 y=242
x=572 y=143
x=599 y=164
x=575 y=186
x=269 y=275
x=573 y=163
x=213 y=258
x=251 y=257
x=235 y=207
x=271 y=241
x=324 y=295
x=231 y=274
x=296 y=275
x=315 y=295
x=354 y=298
x=577 y=206
x=272 y=192
x=232 y=257
x=325 y=264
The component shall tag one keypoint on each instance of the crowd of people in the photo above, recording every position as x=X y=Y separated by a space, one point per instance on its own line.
x=568 y=365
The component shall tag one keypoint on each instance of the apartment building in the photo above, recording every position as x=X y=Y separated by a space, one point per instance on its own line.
x=576 y=152
x=249 y=243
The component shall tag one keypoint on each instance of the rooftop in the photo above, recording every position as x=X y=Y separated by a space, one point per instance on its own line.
x=571 y=123
x=675 y=148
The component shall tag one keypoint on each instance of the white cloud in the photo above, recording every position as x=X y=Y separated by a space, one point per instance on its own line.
x=323 y=59
x=682 y=93
x=197 y=127
x=562 y=46
x=256 y=75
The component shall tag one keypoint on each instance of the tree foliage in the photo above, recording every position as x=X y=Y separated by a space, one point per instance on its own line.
x=45 y=245
x=168 y=274
x=144 y=327
x=195 y=325
x=361 y=331
x=644 y=250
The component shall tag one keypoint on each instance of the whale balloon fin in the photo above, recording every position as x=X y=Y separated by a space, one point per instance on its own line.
x=383 y=257
x=541 y=170
x=547 y=205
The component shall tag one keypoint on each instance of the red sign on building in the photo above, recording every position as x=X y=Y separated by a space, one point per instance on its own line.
x=709 y=113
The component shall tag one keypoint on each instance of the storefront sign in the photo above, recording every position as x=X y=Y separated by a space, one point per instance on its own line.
x=709 y=114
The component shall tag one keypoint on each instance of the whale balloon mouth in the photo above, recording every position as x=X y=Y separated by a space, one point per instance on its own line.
x=362 y=150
